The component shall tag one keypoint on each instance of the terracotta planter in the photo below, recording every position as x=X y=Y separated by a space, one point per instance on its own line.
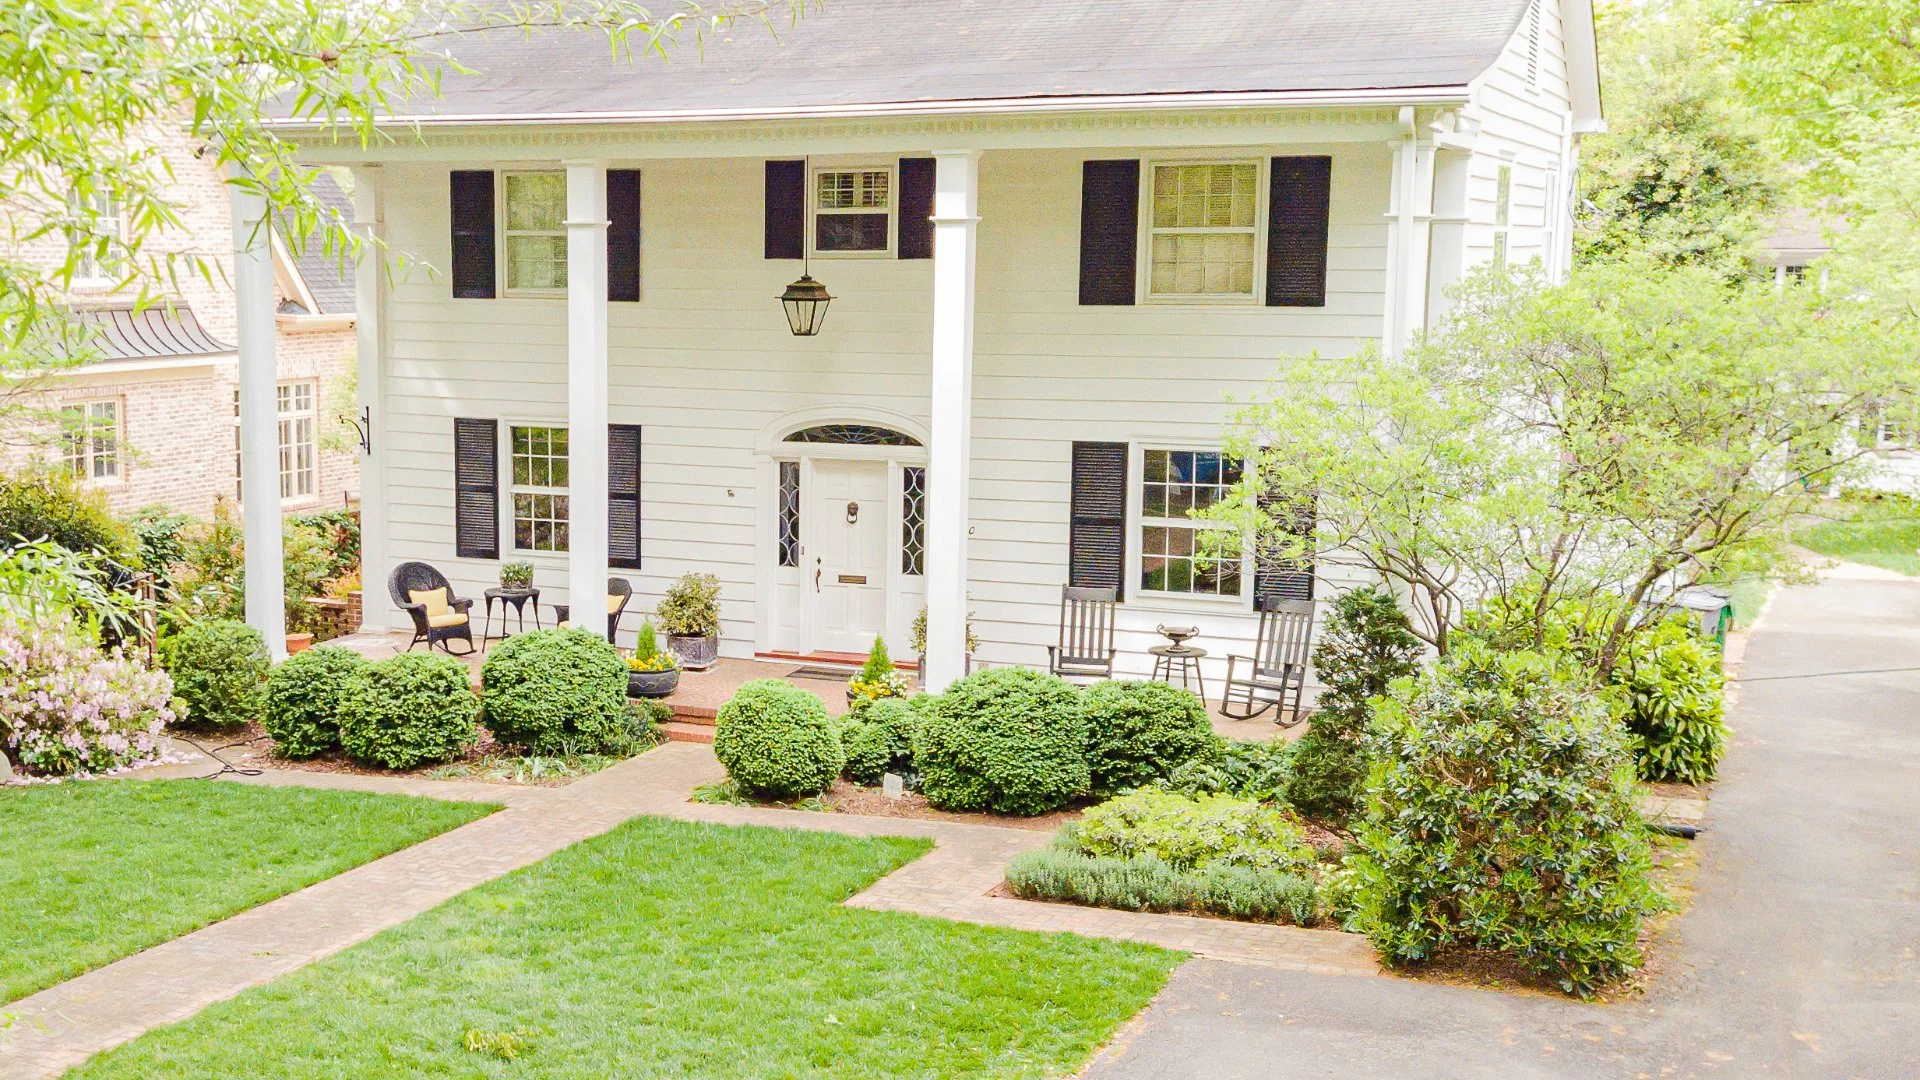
x=297 y=643
x=695 y=653
x=652 y=684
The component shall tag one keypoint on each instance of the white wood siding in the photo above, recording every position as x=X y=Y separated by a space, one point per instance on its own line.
x=1523 y=123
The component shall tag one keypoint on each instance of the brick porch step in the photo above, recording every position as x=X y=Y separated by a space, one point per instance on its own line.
x=681 y=731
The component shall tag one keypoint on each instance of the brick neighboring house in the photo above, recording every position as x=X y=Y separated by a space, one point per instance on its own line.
x=154 y=419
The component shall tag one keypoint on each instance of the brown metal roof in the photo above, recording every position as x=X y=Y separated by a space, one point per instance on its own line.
x=154 y=332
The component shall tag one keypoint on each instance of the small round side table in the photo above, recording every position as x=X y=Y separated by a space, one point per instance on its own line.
x=516 y=599
x=1184 y=657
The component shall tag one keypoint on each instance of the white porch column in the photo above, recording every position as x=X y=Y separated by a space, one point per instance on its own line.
x=955 y=205
x=369 y=348
x=587 y=391
x=259 y=417
x=1410 y=215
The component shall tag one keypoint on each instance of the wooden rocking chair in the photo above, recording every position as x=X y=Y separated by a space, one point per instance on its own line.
x=1086 y=634
x=1276 y=673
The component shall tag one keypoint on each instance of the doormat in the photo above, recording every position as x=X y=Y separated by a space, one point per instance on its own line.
x=815 y=672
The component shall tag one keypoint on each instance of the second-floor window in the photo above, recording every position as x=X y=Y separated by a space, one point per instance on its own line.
x=90 y=440
x=535 y=231
x=1203 y=231
x=853 y=211
x=90 y=268
x=1502 y=215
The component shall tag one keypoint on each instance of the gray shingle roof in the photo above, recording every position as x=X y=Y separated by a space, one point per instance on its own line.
x=151 y=333
x=894 y=52
x=327 y=278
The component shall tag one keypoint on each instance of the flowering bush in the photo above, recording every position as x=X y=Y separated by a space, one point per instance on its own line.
x=66 y=707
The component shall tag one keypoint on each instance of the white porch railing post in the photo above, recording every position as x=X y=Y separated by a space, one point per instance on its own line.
x=369 y=348
x=949 y=458
x=587 y=391
x=259 y=417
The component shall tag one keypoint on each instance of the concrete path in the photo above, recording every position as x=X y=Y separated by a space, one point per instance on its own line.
x=1800 y=955
x=64 y=1025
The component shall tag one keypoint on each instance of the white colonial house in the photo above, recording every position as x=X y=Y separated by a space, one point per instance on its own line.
x=1058 y=238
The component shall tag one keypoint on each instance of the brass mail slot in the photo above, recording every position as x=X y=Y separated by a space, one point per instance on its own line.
x=853 y=579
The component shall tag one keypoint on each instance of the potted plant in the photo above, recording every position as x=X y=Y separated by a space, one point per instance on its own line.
x=651 y=673
x=877 y=678
x=516 y=576
x=299 y=643
x=920 y=635
x=690 y=614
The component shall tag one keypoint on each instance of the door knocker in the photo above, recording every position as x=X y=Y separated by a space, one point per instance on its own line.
x=853 y=512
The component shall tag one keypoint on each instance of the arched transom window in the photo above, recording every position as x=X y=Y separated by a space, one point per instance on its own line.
x=853 y=435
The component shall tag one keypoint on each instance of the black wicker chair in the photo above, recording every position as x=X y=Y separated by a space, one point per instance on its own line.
x=1278 y=669
x=412 y=577
x=616 y=587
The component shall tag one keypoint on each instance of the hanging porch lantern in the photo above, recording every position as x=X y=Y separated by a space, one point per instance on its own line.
x=806 y=302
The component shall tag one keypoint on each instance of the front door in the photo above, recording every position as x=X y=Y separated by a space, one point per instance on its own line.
x=847 y=553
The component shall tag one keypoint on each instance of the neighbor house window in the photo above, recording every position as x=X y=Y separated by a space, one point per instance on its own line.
x=535 y=231
x=539 y=488
x=1502 y=215
x=1172 y=557
x=1893 y=435
x=90 y=440
x=1203 y=230
x=853 y=211
x=295 y=414
x=88 y=267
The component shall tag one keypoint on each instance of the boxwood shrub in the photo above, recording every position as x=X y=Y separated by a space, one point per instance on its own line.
x=1259 y=771
x=776 y=740
x=869 y=750
x=1500 y=816
x=877 y=734
x=408 y=709
x=219 y=670
x=304 y=695
x=1009 y=740
x=558 y=691
x=1139 y=732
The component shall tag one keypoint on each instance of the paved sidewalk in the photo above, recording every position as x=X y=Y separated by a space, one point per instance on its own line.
x=64 y=1025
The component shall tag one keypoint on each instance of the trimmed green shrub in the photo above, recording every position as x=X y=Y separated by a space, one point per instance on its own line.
x=219 y=670
x=304 y=695
x=160 y=541
x=776 y=740
x=1259 y=771
x=1193 y=834
x=1139 y=732
x=1366 y=645
x=1145 y=883
x=407 y=710
x=1009 y=740
x=869 y=750
x=557 y=691
x=1500 y=816
x=54 y=504
x=877 y=734
x=1671 y=694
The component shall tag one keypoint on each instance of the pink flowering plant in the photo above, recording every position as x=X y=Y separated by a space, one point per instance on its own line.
x=66 y=707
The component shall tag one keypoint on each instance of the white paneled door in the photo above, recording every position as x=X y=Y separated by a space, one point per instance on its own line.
x=846 y=560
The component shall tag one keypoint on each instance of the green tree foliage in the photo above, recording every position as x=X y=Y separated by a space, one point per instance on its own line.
x=1366 y=645
x=51 y=504
x=1500 y=816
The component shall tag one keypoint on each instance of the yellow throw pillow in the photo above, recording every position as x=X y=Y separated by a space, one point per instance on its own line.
x=435 y=600
x=613 y=603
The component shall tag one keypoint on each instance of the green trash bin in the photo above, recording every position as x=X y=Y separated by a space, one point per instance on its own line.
x=1710 y=608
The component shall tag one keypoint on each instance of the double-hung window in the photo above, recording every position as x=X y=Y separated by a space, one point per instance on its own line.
x=534 y=239
x=1174 y=557
x=90 y=268
x=1203 y=231
x=1502 y=215
x=539 y=488
x=853 y=211
x=295 y=408
x=90 y=440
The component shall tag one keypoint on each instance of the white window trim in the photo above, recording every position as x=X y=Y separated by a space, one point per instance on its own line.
x=312 y=415
x=510 y=488
x=1500 y=244
x=99 y=282
x=286 y=501
x=893 y=208
x=1137 y=522
x=1143 y=284
x=500 y=231
x=119 y=455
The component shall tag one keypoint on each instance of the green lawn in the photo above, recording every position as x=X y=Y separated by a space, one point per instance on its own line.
x=98 y=870
x=1884 y=533
x=667 y=949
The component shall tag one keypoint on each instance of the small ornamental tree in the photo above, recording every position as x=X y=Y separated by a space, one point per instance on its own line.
x=1500 y=816
x=1366 y=645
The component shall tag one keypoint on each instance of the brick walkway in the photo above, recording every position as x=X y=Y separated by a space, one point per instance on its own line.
x=64 y=1025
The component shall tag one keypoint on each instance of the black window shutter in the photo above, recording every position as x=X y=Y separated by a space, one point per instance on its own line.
x=786 y=209
x=1109 y=231
x=476 y=488
x=1276 y=579
x=1097 y=532
x=1298 y=207
x=623 y=496
x=916 y=208
x=623 y=234
x=470 y=195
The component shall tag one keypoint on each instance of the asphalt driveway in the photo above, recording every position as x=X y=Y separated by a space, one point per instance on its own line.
x=1800 y=955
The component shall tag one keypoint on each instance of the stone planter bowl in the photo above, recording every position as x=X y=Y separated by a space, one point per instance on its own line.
x=652 y=684
x=695 y=653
